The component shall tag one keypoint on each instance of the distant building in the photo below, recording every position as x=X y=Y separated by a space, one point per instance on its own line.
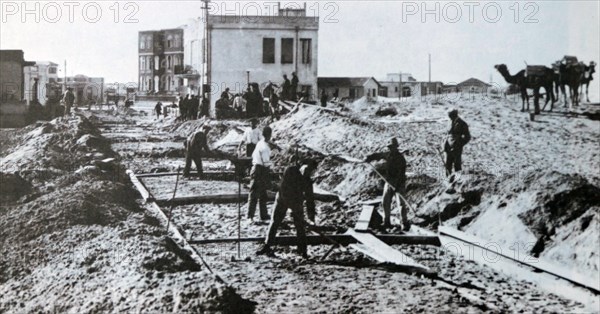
x=86 y=89
x=36 y=79
x=11 y=75
x=349 y=87
x=473 y=85
x=160 y=58
x=227 y=51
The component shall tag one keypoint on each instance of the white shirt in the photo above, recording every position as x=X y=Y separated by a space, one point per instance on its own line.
x=262 y=154
x=252 y=136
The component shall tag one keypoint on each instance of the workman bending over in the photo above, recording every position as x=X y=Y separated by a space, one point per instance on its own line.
x=395 y=182
x=195 y=144
x=295 y=189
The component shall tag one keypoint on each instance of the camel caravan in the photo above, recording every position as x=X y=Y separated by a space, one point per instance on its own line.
x=566 y=72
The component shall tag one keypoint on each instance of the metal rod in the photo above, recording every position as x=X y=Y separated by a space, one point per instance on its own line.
x=173 y=205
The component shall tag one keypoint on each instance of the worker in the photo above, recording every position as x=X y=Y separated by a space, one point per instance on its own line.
x=158 y=109
x=286 y=88
x=260 y=176
x=195 y=144
x=458 y=136
x=294 y=87
x=295 y=189
x=251 y=137
x=395 y=182
x=69 y=100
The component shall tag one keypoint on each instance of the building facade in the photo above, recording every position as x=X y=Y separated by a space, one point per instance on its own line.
x=12 y=87
x=226 y=51
x=36 y=79
x=86 y=89
x=473 y=85
x=160 y=57
x=349 y=88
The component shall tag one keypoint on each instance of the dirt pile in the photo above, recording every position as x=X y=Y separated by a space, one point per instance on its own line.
x=73 y=238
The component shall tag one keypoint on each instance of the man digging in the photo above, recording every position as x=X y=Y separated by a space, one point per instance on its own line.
x=194 y=146
x=295 y=188
x=395 y=182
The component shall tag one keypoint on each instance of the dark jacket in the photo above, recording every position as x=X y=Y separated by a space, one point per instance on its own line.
x=69 y=98
x=296 y=188
x=458 y=135
x=197 y=142
x=395 y=165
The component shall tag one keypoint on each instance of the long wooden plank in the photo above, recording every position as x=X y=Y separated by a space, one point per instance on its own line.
x=365 y=218
x=140 y=187
x=381 y=252
x=343 y=239
x=541 y=265
x=167 y=174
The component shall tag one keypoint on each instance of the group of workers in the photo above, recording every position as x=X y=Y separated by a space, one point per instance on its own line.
x=295 y=188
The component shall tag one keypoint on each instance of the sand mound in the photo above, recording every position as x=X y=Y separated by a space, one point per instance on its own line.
x=73 y=238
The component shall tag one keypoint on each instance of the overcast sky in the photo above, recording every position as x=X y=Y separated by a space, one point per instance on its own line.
x=356 y=38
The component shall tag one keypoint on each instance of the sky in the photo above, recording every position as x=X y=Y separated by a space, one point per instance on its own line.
x=356 y=38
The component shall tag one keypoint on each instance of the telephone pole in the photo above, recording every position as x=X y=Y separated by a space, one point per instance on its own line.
x=429 y=68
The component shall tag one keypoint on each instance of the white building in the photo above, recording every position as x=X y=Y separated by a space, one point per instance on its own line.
x=236 y=50
x=36 y=78
x=349 y=88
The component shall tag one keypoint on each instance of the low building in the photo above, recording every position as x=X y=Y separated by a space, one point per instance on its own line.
x=349 y=87
x=37 y=78
x=473 y=85
x=12 y=63
x=86 y=89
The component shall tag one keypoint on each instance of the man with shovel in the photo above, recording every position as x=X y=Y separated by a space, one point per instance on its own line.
x=296 y=188
x=395 y=182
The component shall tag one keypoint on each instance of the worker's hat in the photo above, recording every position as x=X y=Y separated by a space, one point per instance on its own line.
x=452 y=111
x=393 y=142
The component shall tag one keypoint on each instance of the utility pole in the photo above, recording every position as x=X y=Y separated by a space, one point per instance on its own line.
x=205 y=50
x=400 y=85
x=429 y=68
x=65 y=76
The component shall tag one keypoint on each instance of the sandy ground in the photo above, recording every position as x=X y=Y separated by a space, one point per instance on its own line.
x=509 y=158
x=74 y=237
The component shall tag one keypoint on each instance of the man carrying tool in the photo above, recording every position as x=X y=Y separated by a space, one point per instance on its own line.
x=194 y=145
x=295 y=188
x=395 y=181
x=260 y=176
x=458 y=136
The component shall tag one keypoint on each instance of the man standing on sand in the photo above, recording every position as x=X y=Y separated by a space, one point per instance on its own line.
x=295 y=188
x=69 y=100
x=395 y=182
x=194 y=146
x=458 y=137
x=294 y=87
x=158 y=110
x=251 y=137
x=260 y=176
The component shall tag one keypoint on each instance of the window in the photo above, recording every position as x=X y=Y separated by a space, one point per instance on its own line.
x=142 y=63
x=396 y=89
x=268 y=50
x=169 y=41
x=51 y=70
x=306 y=50
x=287 y=50
x=143 y=42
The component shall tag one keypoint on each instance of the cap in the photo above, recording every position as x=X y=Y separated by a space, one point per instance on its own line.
x=393 y=142
x=452 y=111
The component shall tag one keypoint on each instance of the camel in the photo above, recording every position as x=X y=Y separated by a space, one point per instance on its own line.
x=587 y=78
x=535 y=82
x=571 y=74
x=559 y=84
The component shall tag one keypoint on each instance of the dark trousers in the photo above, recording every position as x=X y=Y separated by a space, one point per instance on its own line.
x=453 y=159
x=189 y=156
x=258 y=191
x=279 y=211
x=250 y=149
